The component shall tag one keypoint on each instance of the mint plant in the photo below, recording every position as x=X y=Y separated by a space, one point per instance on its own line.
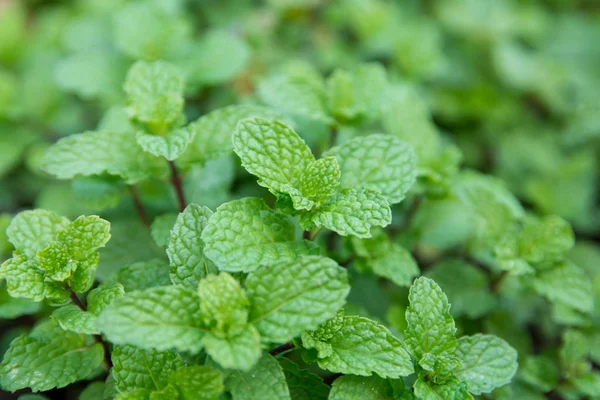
x=299 y=200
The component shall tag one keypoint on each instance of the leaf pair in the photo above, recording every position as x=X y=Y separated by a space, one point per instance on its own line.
x=51 y=252
x=285 y=165
x=278 y=303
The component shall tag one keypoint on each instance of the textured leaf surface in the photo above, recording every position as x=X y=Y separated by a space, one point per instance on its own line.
x=33 y=230
x=197 y=382
x=452 y=390
x=161 y=318
x=353 y=212
x=170 y=146
x=223 y=303
x=240 y=351
x=359 y=346
x=244 y=234
x=488 y=362
x=317 y=184
x=155 y=94
x=264 y=381
x=430 y=326
x=24 y=279
x=379 y=162
x=303 y=385
x=215 y=129
x=135 y=368
x=395 y=264
x=72 y=318
x=143 y=275
x=85 y=235
x=186 y=247
x=53 y=359
x=361 y=388
x=96 y=153
x=99 y=298
x=290 y=297
x=566 y=284
x=271 y=151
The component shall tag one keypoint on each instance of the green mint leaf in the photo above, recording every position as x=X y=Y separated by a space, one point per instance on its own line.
x=350 y=387
x=155 y=96
x=186 y=247
x=55 y=261
x=566 y=284
x=451 y=390
x=223 y=303
x=74 y=319
x=82 y=278
x=488 y=362
x=143 y=275
x=33 y=360
x=93 y=391
x=588 y=384
x=271 y=151
x=290 y=297
x=297 y=90
x=98 y=192
x=379 y=162
x=25 y=280
x=359 y=346
x=264 y=381
x=540 y=372
x=84 y=236
x=135 y=368
x=430 y=326
x=244 y=234
x=95 y=153
x=353 y=212
x=168 y=393
x=441 y=368
x=303 y=385
x=238 y=351
x=215 y=129
x=197 y=382
x=317 y=184
x=546 y=241
x=161 y=228
x=139 y=394
x=34 y=230
x=466 y=287
x=396 y=264
x=99 y=298
x=13 y=307
x=170 y=146
x=160 y=318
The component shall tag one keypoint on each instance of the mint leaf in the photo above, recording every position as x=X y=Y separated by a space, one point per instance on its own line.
x=379 y=162
x=359 y=346
x=160 y=318
x=430 y=326
x=396 y=264
x=55 y=261
x=155 y=95
x=317 y=184
x=451 y=390
x=93 y=391
x=264 y=381
x=215 y=129
x=223 y=303
x=99 y=298
x=33 y=360
x=238 y=351
x=170 y=146
x=244 y=234
x=290 y=297
x=488 y=362
x=84 y=236
x=95 y=153
x=24 y=279
x=161 y=228
x=303 y=385
x=74 y=319
x=143 y=275
x=350 y=387
x=136 y=368
x=168 y=393
x=546 y=241
x=271 y=151
x=566 y=284
x=197 y=382
x=353 y=212
x=34 y=230
x=188 y=265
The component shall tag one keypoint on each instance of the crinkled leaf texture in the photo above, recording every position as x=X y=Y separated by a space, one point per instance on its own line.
x=238 y=351
x=33 y=230
x=265 y=381
x=245 y=234
x=379 y=162
x=170 y=146
x=350 y=387
x=47 y=359
x=160 y=318
x=359 y=346
x=454 y=389
x=289 y=297
x=197 y=382
x=188 y=264
x=488 y=362
x=430 y=326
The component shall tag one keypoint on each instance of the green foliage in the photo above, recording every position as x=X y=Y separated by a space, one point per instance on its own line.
x=346 y=199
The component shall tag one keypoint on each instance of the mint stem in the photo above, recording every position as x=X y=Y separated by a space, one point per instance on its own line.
x=138 y=205
x=283 y=348
x=177 y=184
